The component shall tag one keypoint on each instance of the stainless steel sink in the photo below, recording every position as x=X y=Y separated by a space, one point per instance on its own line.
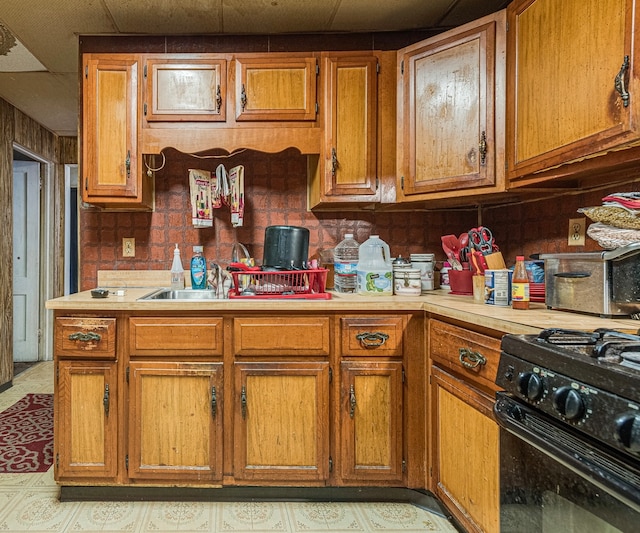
x=181 y=294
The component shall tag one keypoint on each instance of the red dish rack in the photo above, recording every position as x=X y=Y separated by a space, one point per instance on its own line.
x=294 y=284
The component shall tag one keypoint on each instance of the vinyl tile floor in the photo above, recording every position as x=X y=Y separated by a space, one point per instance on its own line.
x=29 y=502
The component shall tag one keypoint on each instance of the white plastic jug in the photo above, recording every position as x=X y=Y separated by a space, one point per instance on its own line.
x=375 y=273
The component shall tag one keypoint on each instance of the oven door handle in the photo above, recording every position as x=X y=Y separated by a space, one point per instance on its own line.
x=600 y=468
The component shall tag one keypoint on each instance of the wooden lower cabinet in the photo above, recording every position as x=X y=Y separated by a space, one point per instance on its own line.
x=371 y=446
x=175 y=421
x=86 y=420
x=281 y=421
x=465 y=452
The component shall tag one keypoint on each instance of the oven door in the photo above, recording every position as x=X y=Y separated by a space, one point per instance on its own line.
x=553 y=479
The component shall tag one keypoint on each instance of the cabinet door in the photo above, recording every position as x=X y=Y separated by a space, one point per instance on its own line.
x=350 y=107
x=275 y=88
x=175 y=421
x=564 y=61
x=371 y=447
x=465 y=452
x=452 y=132
x=281 y=421
x=185 y=89
x=109 y=144
x=86 y=420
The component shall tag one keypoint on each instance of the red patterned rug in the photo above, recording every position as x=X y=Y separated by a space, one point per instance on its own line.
x=26 y=435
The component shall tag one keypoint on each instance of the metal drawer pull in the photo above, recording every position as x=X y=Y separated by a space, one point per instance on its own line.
x=85 y=337
x=620 y=82
x=372 y=340
x=352 y=401
x=243 y=401
x=214 y=402
x=471 y=359
x=105 y=400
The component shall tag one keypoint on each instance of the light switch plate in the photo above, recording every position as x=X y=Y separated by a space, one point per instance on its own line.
x=577 y=230
x=128 y=247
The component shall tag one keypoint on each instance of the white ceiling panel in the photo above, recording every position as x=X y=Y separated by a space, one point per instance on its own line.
x=51 y=99
x=371 y=15
x=277 y=16
x=166 y=17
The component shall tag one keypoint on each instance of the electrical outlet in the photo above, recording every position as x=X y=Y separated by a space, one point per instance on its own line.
x=128 y=247
x=577 y=229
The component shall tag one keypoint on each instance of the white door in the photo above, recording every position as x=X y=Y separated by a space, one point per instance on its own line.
x=26 y=260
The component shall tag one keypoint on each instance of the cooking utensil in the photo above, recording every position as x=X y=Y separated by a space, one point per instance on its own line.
x=286 y=247
x=482 y=240
x=451 y=247
x=463 y=241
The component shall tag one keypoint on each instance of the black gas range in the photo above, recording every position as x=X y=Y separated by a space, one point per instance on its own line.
x=573 y=398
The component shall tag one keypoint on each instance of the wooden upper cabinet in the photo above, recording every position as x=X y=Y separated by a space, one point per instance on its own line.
x=111 y=170
x=350 y=110
x=275 y=87
x=110 y=99
x=185 y=88
x=571 y=64
x=451 y=118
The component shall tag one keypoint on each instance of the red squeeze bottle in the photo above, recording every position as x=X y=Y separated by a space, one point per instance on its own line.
x=520 y=285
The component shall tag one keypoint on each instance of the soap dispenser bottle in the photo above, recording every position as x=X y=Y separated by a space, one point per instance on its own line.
x=177 y=272
x=198 y=269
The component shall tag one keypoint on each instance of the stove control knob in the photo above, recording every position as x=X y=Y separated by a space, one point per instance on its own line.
x=530 y=386
x=569 y=403
x=628 y=432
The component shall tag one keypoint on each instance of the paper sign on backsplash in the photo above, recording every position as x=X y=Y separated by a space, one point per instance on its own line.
x=201 y=206
x=236 y=185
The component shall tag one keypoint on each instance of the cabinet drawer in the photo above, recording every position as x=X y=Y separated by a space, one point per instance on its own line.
x=373 y=336
x=175 y=336
x=85 y=337
x=466 y=352
x=281 y=336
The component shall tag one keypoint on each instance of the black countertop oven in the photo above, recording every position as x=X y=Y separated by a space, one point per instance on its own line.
x=570 y=445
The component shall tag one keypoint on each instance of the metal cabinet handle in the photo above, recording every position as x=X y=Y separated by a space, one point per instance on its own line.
x=352 y=401
x=85 y=336
x=243 y=97
x=243 y=401
x=334 y=162
x=105 y=400
x=372 y=340
x=471 y=359
x=214 y=402
x=620 y=82
x=482 y=148
x=218 y=99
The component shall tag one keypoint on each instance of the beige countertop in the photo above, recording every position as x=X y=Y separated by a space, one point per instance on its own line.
x=438 y=302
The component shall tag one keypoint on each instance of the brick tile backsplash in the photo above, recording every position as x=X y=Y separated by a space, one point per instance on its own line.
x=275 y=186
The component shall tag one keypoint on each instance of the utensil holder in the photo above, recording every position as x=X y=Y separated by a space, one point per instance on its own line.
x=461 y=282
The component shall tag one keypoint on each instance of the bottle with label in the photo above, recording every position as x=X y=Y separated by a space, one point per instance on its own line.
x=520 y=285
x=345 y=263
x=198 y=269
x=375 y=271
x=177 y=272
x=444 y=276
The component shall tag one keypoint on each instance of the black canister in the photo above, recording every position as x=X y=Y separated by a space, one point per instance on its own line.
x=286 y=247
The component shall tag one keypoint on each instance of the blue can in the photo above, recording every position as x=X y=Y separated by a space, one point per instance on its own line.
x=497 y=287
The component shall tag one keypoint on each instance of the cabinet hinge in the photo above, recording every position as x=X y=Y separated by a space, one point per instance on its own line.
x=330 y=375
x=404 y=466
x=127 y=374
x=144 y=71
x=404 y=376
x=402 y=67
x=317 y=108
x=330 y=464
x=402 y=182
x=317 y=69
x=57 y=373
x=86 y=71
x=377 y=182
x=57 y=460
x=377 y=68
x=86 y=184
x=144 y=109
x=126 y=462
x=507 y=26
